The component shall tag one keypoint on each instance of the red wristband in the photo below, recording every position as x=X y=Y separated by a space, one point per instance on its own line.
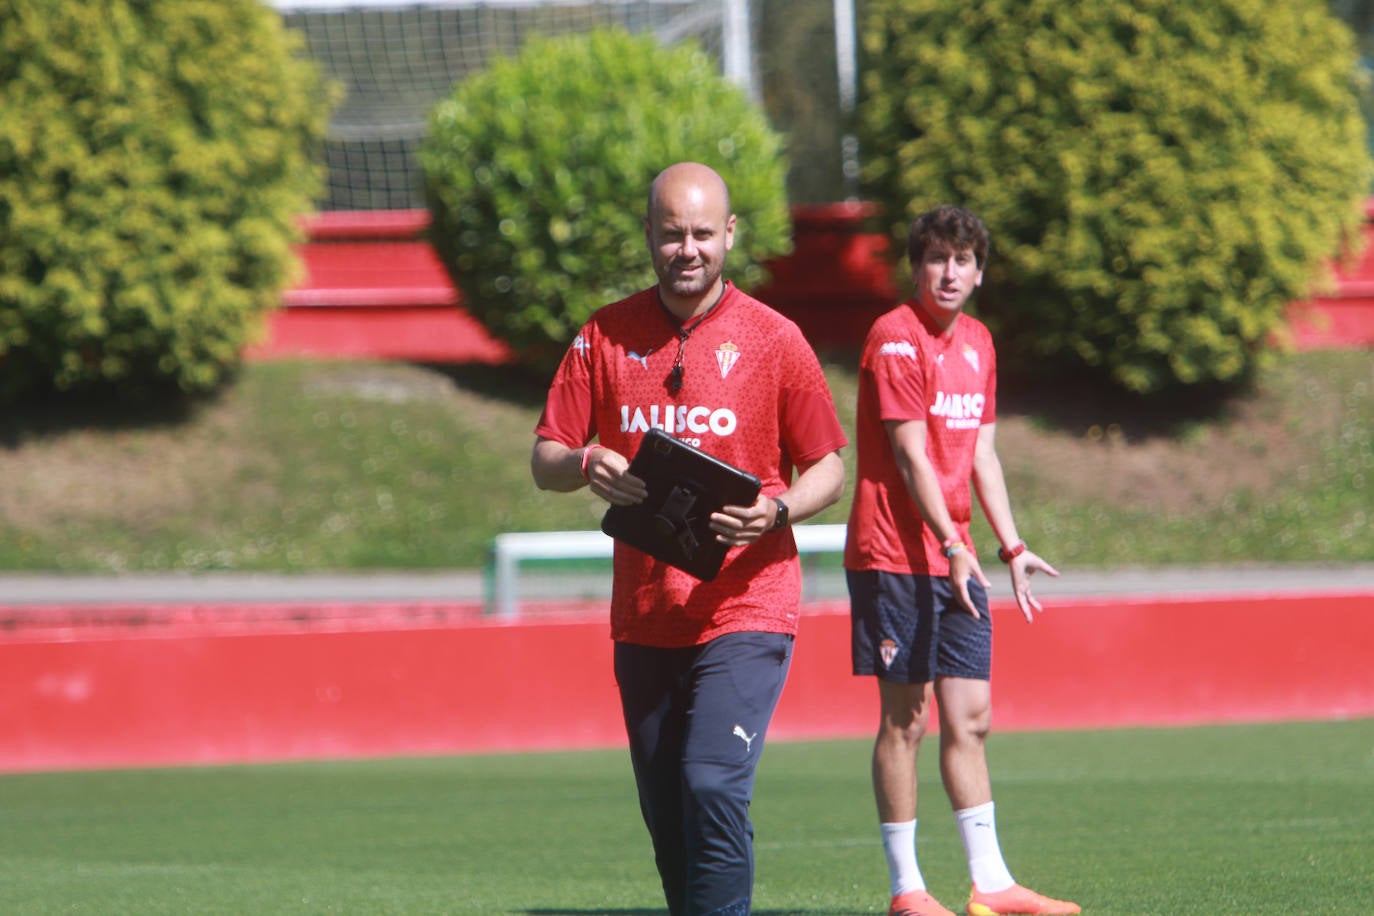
x=586 y=454
x=1006 y=556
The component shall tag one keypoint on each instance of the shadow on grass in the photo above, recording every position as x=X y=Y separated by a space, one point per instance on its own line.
x=40 y=415
x=514 y=384
x=49 y=413
x=1077 y=402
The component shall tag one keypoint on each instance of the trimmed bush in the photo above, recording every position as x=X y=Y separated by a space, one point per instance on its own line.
x=538 y=170
x=1161 y=179
x=154 y=159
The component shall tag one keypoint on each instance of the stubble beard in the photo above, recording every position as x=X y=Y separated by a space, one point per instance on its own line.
x=687 y=287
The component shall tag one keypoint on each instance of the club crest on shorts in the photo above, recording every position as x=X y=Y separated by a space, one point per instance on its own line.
x=887 y=650
x=727 y=354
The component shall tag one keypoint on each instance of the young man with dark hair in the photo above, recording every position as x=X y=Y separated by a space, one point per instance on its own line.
x=918 y=596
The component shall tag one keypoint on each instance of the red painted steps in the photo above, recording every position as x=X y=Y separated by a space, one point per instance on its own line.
x=374 y=288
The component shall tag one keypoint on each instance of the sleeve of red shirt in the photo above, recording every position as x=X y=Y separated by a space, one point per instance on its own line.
x=567 y=416
x=810 y=427
x=900 y=387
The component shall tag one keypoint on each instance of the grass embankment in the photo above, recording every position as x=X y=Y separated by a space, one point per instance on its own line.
x=339 y=465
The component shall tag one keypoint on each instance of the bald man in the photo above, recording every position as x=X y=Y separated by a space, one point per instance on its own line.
x=700 y=665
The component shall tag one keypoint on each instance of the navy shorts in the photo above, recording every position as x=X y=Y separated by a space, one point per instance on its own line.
x=912 y=629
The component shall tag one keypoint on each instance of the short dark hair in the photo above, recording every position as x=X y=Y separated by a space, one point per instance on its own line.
x=950 y=226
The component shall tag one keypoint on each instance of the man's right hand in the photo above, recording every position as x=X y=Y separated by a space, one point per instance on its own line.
x=608 y=475
x=964 y=566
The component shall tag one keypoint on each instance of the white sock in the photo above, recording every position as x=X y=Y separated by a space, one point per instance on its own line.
x=899 y=844
x=978 y=829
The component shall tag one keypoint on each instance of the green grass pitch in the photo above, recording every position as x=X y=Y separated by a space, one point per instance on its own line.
x=1243 y=819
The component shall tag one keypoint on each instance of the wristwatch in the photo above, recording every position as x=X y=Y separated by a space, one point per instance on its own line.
x=780 y=520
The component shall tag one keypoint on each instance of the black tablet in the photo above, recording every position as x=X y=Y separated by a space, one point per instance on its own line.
x=685 y=486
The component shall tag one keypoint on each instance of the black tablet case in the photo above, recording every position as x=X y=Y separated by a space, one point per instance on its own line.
x=685 y=486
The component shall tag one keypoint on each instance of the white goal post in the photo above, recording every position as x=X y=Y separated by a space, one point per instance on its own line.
x=736 y=51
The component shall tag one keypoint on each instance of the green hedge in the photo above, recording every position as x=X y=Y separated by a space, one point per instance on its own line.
x=1161 y=179
x=154 y=159
x=538 y=169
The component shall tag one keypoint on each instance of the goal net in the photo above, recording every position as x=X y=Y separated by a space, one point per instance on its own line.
x=395 y=59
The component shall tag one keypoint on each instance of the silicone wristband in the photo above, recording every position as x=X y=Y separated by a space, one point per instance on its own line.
x=586 y=455
x=951 y=547
x=1006 y=556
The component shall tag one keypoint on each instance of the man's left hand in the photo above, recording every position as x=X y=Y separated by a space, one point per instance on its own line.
x=1022 y=567
x=739 y=525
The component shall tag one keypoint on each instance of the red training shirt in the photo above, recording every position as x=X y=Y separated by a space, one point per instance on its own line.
x=908 y=371
x=753 y=394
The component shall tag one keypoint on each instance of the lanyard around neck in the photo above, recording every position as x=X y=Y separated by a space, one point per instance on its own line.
x=674 y=380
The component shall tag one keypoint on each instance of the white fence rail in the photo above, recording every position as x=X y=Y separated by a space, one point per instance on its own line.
x=511 y=549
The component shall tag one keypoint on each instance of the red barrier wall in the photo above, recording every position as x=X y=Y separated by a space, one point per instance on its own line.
x=360 y=685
